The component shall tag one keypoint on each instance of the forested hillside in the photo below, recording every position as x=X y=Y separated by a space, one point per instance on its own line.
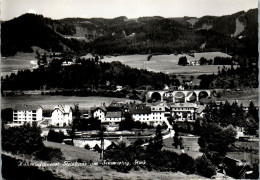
x=128 y=36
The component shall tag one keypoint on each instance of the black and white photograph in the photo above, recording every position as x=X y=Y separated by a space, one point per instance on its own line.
x=129 y=89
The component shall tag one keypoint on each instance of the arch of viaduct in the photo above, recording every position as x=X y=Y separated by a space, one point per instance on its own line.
x=186 y=93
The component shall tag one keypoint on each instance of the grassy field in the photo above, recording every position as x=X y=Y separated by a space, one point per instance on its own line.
x=248 y=144
x=20 y=61
x=104 y=172
x=48 y=102
x=191 y=146
x=168 y=63
x=250 y=158
x=73 y=153
x=242 y=96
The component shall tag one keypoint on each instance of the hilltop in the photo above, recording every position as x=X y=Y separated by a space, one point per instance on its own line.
x=236 y=34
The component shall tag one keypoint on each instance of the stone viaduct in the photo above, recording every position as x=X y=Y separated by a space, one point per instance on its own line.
x=175 y=94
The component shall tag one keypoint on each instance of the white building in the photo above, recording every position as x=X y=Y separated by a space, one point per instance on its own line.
x=113 y=118
x=183 y=111
x=98 y=112
x=27 y=114
x=141 y=112
x=159 y=114
x=61 y=115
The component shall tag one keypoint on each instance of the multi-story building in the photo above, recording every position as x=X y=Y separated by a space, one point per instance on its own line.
x=27 y=114
x=98 y=112
x=61 y=115
x=112 y=118
x=140 y=112
x=159 y=114
x=183 y=111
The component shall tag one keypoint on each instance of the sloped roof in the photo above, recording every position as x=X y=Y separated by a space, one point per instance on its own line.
x=116 y=114
x=95 y=108
x=140 y=109
x=24 y=107
x=200 y=109
x=124 y=140
x=183 y=105
x=65 y=109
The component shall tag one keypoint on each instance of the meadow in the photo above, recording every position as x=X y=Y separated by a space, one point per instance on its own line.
x=20 y=61
x=48 y=102
x=158 y=63
x=168 y=63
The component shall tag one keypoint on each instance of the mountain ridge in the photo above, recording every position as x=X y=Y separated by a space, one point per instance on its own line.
x=127 y=36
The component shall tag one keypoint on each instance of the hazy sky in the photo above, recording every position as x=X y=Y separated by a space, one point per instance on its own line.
x=58 y=9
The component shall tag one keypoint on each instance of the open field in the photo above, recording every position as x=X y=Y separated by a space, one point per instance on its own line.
x=191 y=146
x=18 y=62
x=169 y=63
x=250 y=158
x=48 y=102
x=242 y=96
x=248 y=144
x=158 y=63
x=105 y=172
x=73 y=153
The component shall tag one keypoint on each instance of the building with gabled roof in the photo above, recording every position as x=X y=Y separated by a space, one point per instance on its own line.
x=61 y=115
x=183 y=111
x=140 y=112
x=27 y=114
x=98 y=112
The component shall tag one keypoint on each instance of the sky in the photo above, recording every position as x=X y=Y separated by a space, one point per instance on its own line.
x=58 y=9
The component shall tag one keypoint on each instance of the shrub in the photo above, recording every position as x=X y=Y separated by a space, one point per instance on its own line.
x=204 y=167
x=49 y=154
x=24 y=139
x=55 y=136
x=86 y=146
x=186 y=164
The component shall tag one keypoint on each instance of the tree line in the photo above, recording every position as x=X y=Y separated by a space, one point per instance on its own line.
x=83 y=75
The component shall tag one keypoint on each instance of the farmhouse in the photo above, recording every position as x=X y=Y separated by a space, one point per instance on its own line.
x=98 y=112
x=27 y=114
x=61 y=115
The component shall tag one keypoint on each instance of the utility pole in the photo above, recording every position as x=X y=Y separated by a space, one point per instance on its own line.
x=102 y=143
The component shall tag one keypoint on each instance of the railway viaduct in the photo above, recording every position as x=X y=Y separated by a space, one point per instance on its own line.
x=175 y=94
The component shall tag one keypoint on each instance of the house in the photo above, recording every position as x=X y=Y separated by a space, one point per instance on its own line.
x=119 y=88
x=85 y=114
x=140 y=112
x=183 y=111
x=199 y=112
x=118 y=106
x=112 y=118
x=67 y=63
x=27 y=114
x=235 y=168
x=159 y=114
x=61 y=115
x=98 y=112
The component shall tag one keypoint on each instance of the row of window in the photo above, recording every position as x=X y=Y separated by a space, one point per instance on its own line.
x=182 y=108
x=24 y=118
x=33 y=115
x=140 y=119
x=25 y=111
